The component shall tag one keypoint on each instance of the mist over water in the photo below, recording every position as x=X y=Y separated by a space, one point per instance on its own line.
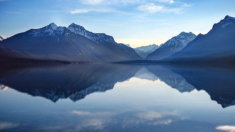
x=117 y=98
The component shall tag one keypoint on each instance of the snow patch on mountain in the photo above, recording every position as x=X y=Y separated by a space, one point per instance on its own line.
x=172 y=46
x=183 y=38
x=53 y=26
x=97 y=37
x=50 y=30
x=98 y=87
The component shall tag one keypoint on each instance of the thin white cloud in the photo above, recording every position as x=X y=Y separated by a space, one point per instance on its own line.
x=163 y=122
x=95 y=124
x=153 y=8
x=186 y=5
x=82 y=113
x=7 y=125
x=226 y=128
x=77 y=11
x=166 y=1
x=125 y=2
x=86 y=113
x=153 y=118
x=92 y=2
x=151 y=115
x=150 y=8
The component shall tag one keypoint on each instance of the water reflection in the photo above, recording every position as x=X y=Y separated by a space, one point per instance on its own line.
x=77 y=81
x=71 y=81
x=128 y=98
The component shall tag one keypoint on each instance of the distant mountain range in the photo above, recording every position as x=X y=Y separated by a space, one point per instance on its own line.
x=66 y=44
x=217 y=45
x=144 y=51
x=76 y=44
x=172 y=46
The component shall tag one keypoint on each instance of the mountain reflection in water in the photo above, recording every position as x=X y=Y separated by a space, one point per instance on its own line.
x=77 y=81
x=128 y=98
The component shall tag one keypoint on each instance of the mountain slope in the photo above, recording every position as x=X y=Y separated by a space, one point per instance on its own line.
x=144 y=51
x=217 y=45
x=107 y=41
x=2 y=38
x=172 y=46
x=60 y=43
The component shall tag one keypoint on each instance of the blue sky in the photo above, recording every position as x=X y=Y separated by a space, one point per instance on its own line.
x=134 y=22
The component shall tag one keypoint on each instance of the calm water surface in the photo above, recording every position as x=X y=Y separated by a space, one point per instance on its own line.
x=114 y=98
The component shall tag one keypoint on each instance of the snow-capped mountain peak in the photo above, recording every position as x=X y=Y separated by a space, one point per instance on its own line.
x=50 y=30
x=183 y=38
x=172 y=46
x=97 y=37
x=185 y=34
x=73 y=27
x=53 y=30
x=52 y=26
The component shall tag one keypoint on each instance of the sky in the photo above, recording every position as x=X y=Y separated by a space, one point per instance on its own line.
x=134 y=22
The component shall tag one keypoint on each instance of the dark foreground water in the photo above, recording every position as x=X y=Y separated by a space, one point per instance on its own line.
x=117 y=98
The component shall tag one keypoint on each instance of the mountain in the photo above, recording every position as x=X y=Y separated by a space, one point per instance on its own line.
x=107 y=41
x=172 y=46
x=2 y=38
x=60 y=43
x=217 y=45
x=144 y=51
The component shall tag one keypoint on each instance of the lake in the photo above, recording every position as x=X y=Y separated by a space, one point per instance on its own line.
x=114 y=98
